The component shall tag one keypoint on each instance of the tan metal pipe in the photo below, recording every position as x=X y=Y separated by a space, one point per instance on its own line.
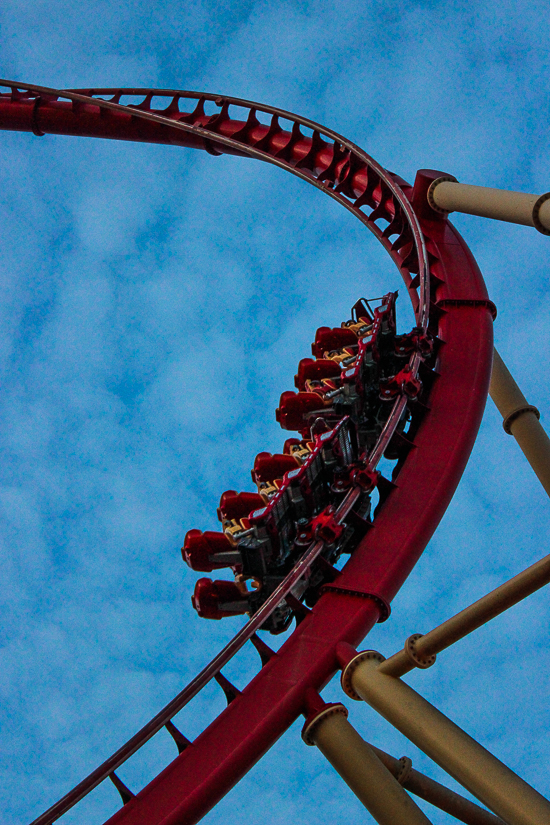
x=420 y=650
x=435 y=793
x=361 y=769
x=495 y=785
x=521 y=420
x=409 y=778
x=447 y=195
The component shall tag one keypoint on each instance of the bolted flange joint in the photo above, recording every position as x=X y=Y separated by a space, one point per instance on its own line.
x=352 y=665
x=436 y=182
x=410 y=649
x=511 y=417
x=405 y=769
x=313 y=721
x=537 y=223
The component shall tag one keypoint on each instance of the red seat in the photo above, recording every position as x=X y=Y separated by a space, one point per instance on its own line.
x=269 y=467
x=294 y=406
x=237 y=506
x=218 y=599
x=308 y=369
x=199 y=548
x=327 y=339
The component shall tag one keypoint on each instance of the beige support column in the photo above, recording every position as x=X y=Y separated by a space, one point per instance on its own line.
x=435 y=793
x=420 y=650
x=495 y=785
x=447 y=195
x=361 y=769
x=521 y=420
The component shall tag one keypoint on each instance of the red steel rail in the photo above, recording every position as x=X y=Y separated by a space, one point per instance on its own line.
x=449 y=298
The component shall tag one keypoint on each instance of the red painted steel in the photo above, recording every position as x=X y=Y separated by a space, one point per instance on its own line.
x=341 y=169
x=221 y=755
x=461 y=317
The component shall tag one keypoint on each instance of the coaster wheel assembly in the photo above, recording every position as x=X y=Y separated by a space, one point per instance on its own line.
x=452 y=311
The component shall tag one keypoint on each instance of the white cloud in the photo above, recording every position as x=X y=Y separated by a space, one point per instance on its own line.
x=155 y=303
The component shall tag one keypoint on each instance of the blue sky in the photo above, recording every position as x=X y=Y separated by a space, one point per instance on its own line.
x=155 y=303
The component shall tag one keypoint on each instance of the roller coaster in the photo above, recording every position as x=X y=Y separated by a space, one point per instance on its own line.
x=368 y=393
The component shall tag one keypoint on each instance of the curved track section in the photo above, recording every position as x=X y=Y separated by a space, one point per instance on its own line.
x=451 y=305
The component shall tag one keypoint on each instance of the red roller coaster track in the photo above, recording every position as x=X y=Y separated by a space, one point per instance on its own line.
x=450 y=301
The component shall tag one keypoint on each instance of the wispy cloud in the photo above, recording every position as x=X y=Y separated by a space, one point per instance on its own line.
x=155 y=303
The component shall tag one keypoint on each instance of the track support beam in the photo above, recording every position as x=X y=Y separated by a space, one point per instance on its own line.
x=330 y=737
x=360 y=768
x=420 y=650
x=521 y=420
x=495 y=785
x=447 y=195
x=435 y=793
